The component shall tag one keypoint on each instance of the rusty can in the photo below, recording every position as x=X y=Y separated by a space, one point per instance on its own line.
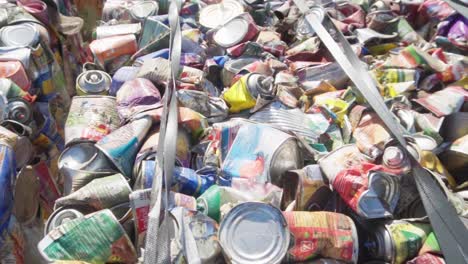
x=254 y=233
x=15 y=71
x=328 y=234
x=107 y=49
x=90 y=118
x=93 y=82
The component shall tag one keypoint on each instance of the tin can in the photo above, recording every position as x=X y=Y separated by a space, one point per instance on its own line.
x=20 y=35
x=93 y=83
x=81 y=163
x=101 y=193
x=232 y=67
x=254 y=155
x=136 y=96
x=122 y=145
x=215 y=15
x=59 y=217
x=307 y=188
x=14 y=70
x=310 y=77
x=143 y=9
x=327 y=234
x=36 y=8
x=107 y=49
x=427 y=258
x=154 y=31
x=254 y=232
x=456 y=157
x=97 y=237
x=398 y=241
x=91 y=118
x=116 y=30
x=240 y=29
x=369 y=191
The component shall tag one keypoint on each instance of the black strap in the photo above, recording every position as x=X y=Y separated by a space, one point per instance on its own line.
x=450 y=231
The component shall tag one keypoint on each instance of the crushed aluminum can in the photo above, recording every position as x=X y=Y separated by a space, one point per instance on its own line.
x=15 y=71
x=93 y=83
x=326 y=234
x=342 y=158
x=200 y=229
x=136 y=96
x=121 y=146
x=97 y=237
x=368 y=190
x=306 y=188
x=254 y=232
x=20 y=143
x=91 y=118
x=101 y=193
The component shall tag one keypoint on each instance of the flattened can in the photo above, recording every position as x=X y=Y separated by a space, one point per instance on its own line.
x=398 y=241
x=91 y=118
x=327 y=234
x=93 y=82
x=15 y=71
x=254 y=233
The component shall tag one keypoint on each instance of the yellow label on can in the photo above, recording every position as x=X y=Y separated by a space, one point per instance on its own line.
x=238 y=96
x=408 y=239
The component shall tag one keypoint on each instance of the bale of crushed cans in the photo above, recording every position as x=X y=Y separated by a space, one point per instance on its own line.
x=278 y=158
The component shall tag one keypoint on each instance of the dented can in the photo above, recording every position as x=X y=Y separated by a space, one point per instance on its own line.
x=91 y=118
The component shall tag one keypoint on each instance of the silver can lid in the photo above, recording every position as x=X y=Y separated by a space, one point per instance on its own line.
x=216 y=15
x=254 y=232
x=21 y=35
x=61 y=216
x=393 y=157
x=94 y=81
x=19 y=110
x=144 y=9
x=231 y=33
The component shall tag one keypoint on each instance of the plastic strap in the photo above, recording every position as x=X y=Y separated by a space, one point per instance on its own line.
x=451 y=234
x=157 y=248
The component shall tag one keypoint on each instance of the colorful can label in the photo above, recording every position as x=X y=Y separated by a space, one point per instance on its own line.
x=95 y=238
x=91 y=118
x=408 y=238
x=327 y=234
